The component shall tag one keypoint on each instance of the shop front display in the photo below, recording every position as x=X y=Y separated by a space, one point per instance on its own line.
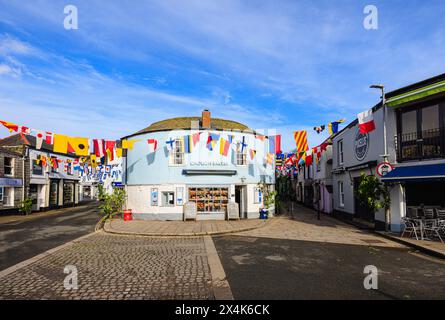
x=209 y=200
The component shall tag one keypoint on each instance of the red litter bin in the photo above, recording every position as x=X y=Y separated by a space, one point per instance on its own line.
x=128 y=215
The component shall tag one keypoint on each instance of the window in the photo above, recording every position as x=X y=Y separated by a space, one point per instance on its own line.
x=8 y=196
x=168 y=199
x=258 y=196
x=8 y=166
x=178 y=154
x=241 y=158
x=340 y=152
x=209 y=199
x=1 y=194
x=37 y=167
x=341 y=194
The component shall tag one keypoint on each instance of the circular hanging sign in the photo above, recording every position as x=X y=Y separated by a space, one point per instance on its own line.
x=361 y=145
x=383 y=168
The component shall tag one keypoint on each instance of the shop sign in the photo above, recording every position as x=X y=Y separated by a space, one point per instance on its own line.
x=361 y=145
x=384 y=168
x=208 y=163
x=9 y=182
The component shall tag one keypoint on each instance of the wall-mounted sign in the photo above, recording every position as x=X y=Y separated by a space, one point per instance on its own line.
x=179 y=196
x=384 y=168
x=154 y=196
x=10 y=182
x=208 y=163
x=361 y=145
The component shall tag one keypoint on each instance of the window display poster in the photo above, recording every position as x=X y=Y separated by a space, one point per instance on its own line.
x=258 y=197
x=179 y=196
x=154 y=196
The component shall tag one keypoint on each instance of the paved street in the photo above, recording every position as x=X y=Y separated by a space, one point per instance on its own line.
x=117 y=267
x=23 y=240
x=288 y=258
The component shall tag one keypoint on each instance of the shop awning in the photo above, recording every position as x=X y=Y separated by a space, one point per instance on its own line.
x=416 y=94
x=419 y=172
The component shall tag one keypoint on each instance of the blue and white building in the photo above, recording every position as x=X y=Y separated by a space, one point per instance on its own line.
x=159 y=183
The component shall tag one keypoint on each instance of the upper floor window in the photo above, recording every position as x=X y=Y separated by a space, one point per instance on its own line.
x=241 y=158
x=341 y=194
x=8 y=166
x=177 y=155
x=340 y=152
x=420 y=132
x=37 y=167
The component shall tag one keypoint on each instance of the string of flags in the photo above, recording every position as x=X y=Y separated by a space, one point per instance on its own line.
x=332 y=127
x=100 y=149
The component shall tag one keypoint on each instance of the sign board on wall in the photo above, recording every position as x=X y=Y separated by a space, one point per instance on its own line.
x=361 y=145
x=10 y=182
x=154 y=196
x=384 y=168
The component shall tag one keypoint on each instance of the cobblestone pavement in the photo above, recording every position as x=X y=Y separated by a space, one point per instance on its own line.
x=180 y=228
x=303 y=225
x=117 y=267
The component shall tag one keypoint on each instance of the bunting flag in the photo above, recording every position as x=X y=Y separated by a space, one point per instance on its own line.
x=99 y=147
x=49 y=138
x=152 y=145
x=109 y=149
x=60 y=143
x=188 y=143
x=24 y=130
x=308 y=160
x=278 y=144
x=252 y=153
x=170 y=143
x=39 y=140
x=260 y=137
x=119 y=152
x=323 y=146
x=319 y=128
x=301 y=140
x=93 y=160
x=224 y=146
x=196 y=136
x=231 y=136
x=128 y=144
x=366 y=121
x=54 y=162
x=270 y=157
x=333 y=126
x=79 y=146
x=10 y=126
x=212 y=140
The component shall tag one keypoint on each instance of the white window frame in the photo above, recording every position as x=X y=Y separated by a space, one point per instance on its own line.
x=11 y=166
x=340 y=152
x=241 y=158
x=163 y=204
x=32 y=168
x=176 y=153
x=10 y=199
x=341 y=193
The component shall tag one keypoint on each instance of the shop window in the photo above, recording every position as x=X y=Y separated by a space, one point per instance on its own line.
x=8 y=197
x=340 y=152
x=8 y=166
x=241 y=158
x=68 y=193
x=341 y=194
x=178 y=153
x=209 y=200
x=37 y=168
x=168 y=199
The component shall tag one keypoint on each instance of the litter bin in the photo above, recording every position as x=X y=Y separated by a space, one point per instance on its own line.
x=128 y=216
x=263 y=214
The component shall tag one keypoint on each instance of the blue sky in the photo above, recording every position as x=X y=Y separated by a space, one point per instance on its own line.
x=284 y=65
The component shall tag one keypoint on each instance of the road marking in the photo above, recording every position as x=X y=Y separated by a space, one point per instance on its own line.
x=26 y=263
x=221 y=287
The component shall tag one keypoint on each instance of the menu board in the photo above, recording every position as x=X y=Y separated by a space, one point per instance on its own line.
x=209 y=200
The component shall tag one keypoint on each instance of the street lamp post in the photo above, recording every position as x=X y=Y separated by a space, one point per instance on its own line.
x=385 y=145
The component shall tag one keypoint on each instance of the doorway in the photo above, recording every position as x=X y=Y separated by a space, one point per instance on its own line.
x=361 y=210
x=240 y=194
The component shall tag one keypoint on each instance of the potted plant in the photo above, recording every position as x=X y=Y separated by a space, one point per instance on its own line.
x=269 y=200
x=25 y=206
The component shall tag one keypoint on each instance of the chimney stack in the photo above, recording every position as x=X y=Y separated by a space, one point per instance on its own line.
x=205 y=121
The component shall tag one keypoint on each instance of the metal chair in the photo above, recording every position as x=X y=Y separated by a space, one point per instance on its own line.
x=440 y=213
x=434 y=230
x=411 y=227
